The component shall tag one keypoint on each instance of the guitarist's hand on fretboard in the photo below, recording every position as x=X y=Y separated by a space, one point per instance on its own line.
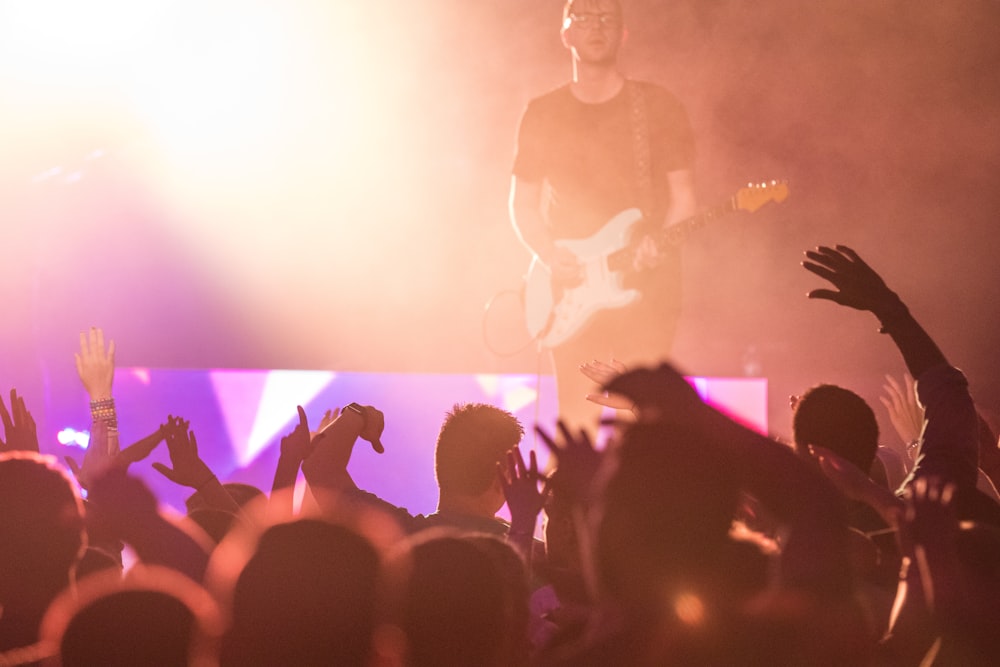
x=646 y=254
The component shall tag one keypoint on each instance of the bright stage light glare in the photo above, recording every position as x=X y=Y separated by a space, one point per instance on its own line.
x=68 y=42
x=70 y=436
x=214 y=93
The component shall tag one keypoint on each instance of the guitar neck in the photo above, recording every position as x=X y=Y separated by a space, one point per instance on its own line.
x=672 y=235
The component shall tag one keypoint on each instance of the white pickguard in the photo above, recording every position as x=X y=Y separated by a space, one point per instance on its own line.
x=553 y=322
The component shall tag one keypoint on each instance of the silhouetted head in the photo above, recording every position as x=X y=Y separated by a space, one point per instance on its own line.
x=514 y=576
x=474 y=438
x=447 y=595
x=241 y=493
x=215 y=522
x=839 y=420
x=306 y=597
x=41 y=524
x=129 y=628
x=154 y=616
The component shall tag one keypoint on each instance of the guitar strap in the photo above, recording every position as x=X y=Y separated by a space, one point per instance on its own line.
x=640 y=147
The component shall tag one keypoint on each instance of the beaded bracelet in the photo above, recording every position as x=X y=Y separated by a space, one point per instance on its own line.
x=104 y=411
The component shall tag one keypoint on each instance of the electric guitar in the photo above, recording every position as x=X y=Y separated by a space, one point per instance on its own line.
x=553 y=312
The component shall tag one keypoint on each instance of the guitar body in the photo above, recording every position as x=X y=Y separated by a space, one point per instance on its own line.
x=554 y=313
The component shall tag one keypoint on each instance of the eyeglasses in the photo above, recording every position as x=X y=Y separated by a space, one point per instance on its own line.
x=595 y=20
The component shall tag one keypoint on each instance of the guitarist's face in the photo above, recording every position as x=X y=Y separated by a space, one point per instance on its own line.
x=593 y=31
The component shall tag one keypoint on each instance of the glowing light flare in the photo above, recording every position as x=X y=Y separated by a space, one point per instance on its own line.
x=142 y=375
x=213 y=93
x=71 y=437
x=690 y=609
x=511 y=392
x=67 y=42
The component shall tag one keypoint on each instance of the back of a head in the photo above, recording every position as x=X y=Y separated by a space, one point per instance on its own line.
x=452 y=607
x=839 y=420
x=473 y=439
x=41 y=521
x=215 y=522
x=241 y=493
x=312 y=586
x=516 y=593
x=152 y=616
x=129 y=627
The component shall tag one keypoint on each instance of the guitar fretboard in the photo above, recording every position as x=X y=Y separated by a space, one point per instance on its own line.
x=674 y=235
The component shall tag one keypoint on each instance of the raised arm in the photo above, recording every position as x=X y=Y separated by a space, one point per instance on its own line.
x=949 y=448
x=603 y=372
x=97 y=460
x=325 y=469
x=815 y=554
x=95 y=365
x=524 y=499
x=906 y=415
x=189 y=469
x=124 y=507
x=859 y=287
x=295 y=448
x=18 y=426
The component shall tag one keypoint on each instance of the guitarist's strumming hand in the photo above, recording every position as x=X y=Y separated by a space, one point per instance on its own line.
x=566 y=269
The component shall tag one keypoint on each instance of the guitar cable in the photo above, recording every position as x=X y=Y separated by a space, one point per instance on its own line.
x=517 y=294
x=539 y=356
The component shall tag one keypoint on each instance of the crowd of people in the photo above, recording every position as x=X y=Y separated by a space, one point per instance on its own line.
x=687 y=540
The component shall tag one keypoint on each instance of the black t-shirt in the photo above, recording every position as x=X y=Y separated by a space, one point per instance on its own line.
x=585 y=153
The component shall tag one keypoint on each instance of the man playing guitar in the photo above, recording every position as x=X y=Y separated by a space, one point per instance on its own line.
x=587 y=151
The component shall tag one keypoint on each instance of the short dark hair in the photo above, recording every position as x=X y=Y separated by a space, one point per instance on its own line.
x=568 y=7
x=473 y=439
x=839 y=420
x=242 y=494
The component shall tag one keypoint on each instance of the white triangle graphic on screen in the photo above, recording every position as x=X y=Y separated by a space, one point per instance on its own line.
x=513 y=391
x=259 y=406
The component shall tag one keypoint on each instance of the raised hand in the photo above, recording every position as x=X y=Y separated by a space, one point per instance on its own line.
x=95 y=364
x=657 y=393
x=603 y=373
x=928 y=535
x=577 y=462
x=930 y=518
x=98 y=459
x=188 y=468
x=858 y=285
x=324 y=421
x=520 y=488
x=905 y=413
x=141 y=449
x=374 y=425
x=19 y=426
x=326 y=466
x=299 y=444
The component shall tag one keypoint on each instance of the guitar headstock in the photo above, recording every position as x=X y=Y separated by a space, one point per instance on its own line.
x=755 y=195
